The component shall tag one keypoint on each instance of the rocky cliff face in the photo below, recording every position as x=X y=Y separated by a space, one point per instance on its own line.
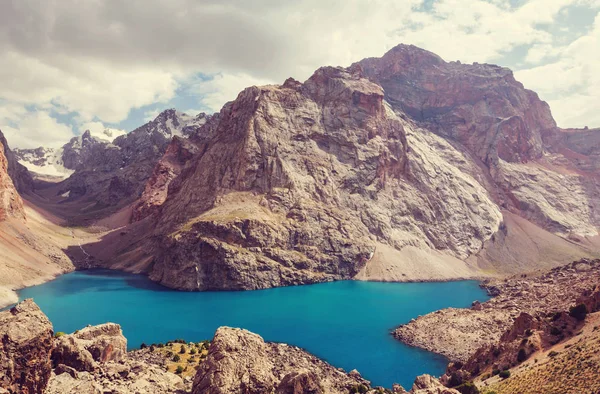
x=10 y=201
x=484 y=109
x=20 y=176
x=400 y=167
x=302 y=182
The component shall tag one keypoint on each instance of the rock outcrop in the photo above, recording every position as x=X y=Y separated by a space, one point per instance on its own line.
x=25 y=346
x=179 y=152
x=239 y=361
x=89 y=346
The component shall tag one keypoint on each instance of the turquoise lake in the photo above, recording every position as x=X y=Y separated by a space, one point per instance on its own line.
x=346 y=323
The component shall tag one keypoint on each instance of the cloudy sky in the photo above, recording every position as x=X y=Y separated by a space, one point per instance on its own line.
x=71 y=65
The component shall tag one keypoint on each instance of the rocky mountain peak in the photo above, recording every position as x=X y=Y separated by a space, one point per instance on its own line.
x=86 y=136
x=480 y=105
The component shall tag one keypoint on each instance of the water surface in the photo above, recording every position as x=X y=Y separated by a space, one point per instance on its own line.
x=347 y=323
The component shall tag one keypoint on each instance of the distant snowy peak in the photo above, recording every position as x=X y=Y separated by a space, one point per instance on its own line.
x=43 y=161
x=111 y=148
x=172 y=123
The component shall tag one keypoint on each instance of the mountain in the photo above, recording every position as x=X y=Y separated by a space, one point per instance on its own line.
x=404 y=167
x=101 y=176
x=31 y=246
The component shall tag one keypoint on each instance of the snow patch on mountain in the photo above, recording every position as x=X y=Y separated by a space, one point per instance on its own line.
x=44 y=161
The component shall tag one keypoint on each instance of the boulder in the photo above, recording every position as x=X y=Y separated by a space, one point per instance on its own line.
x=25 y=347
x=427 y=384
x=89 y=346
x=239 y=361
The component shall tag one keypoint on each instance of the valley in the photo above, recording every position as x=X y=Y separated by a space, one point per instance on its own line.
x=402 y=168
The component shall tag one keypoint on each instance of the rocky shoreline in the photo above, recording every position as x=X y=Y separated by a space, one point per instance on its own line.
x=94 y=360
x=459 y=333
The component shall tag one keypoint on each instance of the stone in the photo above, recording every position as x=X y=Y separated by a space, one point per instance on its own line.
x=25 y=348
x=240 y=361
x=427 y=384
x=89 y=346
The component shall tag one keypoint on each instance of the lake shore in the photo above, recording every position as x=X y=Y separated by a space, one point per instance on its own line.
x=458 y=333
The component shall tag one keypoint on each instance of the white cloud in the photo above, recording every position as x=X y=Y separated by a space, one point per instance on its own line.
x=100 y=59
x=99 y=130
x=221 y=88
x=571 y=83
x=37 y=129
x=151 y=115
x=91 y=89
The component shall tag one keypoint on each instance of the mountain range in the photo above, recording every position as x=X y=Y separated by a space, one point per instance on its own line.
x=399 y=168
x=404 y=167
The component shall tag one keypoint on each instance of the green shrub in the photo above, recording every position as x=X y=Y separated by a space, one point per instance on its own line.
x=552 y=354
x=161 y=345
x=579 y=312
x=522 y=355
x=504 y=374
x=467 y=388
x=59 y=334
x=176 y=358
x=182 y=350
x=143 y=346
x=179 y=370
x=495 y=371
x=359 y=388
x=192 y=351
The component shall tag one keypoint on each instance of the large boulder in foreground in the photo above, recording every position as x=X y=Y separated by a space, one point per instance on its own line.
x=25 y=346
x=239 y=361
x=91 y=345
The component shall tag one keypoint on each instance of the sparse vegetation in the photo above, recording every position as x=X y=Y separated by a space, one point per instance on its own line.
x=59 y=334
x=467 y=388
x=504 y=374
x=359 y=388
x=579 y=312
x=522 y=355
x=183 y=357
